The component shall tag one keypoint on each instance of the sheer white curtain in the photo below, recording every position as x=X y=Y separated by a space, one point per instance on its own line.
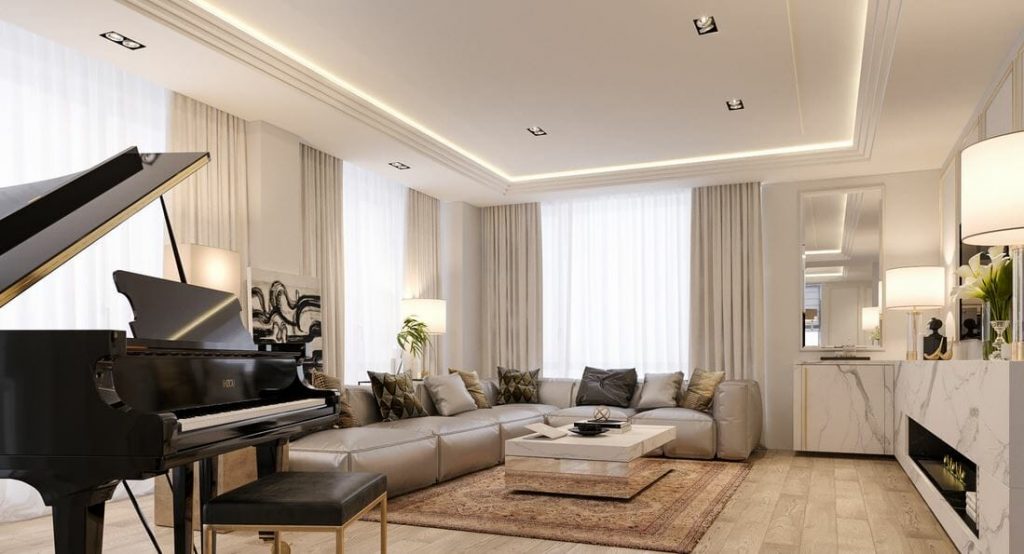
x=63 y=112
x=616 y=283
x=374 y=222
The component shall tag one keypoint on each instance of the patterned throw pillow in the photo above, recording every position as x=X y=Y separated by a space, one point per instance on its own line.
x=518 y=387
x=395 y=396
x=473 y=385
x=700 y=393
x=321 y=380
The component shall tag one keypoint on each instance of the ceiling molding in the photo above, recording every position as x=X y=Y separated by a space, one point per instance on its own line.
x=205 y=27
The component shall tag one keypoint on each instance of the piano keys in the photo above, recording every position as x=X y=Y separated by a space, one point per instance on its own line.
x=81 y=410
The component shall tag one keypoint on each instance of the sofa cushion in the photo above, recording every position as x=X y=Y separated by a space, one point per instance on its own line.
x=660 y=390
x=606 y=387
x=700 y=392
x=408 y=458
x=567 y=416
x=518 y=387
x=464 y=444
x=321 y=380
x=396 y=396
x=473 y=386
x=449 y=394
x=558 y=392
x=696 y=435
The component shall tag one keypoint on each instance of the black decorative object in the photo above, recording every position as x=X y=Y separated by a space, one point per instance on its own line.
x=935 y=342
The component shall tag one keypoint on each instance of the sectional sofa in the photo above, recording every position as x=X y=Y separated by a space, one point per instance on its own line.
x=419 y=452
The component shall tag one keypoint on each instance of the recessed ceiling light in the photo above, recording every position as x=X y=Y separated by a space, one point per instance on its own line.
x=734 y=104
x=118 y=38
x=398 y=165
x=705 y=25
x=536 y=131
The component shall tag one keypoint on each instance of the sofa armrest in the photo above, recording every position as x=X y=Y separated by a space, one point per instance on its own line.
x=737 y=411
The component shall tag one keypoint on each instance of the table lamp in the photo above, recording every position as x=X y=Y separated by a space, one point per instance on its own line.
x=992 y=211
x=912 y=289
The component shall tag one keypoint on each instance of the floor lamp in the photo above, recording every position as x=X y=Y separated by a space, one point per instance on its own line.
x=913 y=289
x=992 y=211
x=432 y=313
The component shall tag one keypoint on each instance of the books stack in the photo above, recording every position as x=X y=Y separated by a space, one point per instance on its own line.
x=972 y=506
x=613 y=425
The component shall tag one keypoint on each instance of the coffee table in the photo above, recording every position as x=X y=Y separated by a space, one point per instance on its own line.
x=608 y=465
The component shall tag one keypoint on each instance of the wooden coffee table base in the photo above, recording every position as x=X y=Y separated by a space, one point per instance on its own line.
x=622 y=480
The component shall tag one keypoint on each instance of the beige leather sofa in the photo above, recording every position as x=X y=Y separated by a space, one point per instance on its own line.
x=419 y=452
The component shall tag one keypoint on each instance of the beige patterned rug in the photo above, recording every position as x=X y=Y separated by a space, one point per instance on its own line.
x=671 y=515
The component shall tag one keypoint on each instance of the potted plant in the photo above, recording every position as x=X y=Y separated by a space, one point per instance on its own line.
x=413 y=338
x=993 y=284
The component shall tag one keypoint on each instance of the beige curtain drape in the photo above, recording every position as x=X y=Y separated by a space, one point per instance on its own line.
x=211 y=207
x=726 y=281
x=323 y=249
x=423 y=260
x=511 y=288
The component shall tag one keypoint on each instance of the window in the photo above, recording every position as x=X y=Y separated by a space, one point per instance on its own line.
x=63 y=112
x=616 y=283
x=374 y=264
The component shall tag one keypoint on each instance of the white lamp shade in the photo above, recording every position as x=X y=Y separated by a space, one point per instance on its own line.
x=213 y=268
x=430 y=311
x=915 y=288
x=992 y=191
x=870 y=318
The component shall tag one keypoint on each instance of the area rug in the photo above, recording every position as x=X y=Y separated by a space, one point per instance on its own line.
x=670 y=516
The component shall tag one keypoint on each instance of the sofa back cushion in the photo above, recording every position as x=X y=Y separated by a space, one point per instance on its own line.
x=364 y=406
x=606 y=387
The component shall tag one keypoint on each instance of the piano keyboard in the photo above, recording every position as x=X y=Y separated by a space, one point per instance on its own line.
x=233 y=416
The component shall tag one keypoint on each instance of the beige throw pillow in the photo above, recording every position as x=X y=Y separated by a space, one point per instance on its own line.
x=660 y=390
x=700 y=393
x=449 y=394
x=347 y=416
x=474 y=386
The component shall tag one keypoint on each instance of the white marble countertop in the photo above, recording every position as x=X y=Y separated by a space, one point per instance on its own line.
x=847 y=362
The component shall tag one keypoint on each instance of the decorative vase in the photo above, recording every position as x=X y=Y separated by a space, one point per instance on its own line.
x=995 y=323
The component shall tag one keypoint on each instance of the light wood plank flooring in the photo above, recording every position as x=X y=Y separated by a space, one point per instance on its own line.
x=789 y=503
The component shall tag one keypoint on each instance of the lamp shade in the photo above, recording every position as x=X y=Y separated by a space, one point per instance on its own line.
x=992 y=191
x=915 y=288
x=870 y=318
x=213 y=268
x=430 y=311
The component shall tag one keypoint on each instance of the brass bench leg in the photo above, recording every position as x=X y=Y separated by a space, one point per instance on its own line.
x=384 y=525
x=209 y=540
x=339 y=541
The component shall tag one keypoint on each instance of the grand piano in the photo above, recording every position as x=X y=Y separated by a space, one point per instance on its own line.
x=81 y=410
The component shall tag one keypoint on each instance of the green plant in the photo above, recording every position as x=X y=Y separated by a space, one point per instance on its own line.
x=413 y=336
x=991 y=283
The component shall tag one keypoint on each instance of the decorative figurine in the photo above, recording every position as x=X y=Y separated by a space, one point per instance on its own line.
x=602 y=413
x=935 y=343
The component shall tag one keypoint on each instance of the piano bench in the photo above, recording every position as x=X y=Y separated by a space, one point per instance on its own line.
x=298 y=501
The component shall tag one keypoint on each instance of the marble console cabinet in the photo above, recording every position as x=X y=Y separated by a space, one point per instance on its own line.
x=843 y=407
x=976 y=407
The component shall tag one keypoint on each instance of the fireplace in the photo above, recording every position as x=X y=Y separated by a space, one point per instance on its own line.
x=952 y=473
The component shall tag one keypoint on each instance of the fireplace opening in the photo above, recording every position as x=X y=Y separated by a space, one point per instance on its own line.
x=952 y=473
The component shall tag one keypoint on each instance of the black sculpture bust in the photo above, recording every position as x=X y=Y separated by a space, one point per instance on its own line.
x=935 y=342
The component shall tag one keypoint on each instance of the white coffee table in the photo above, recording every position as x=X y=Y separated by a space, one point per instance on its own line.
x=608 y=465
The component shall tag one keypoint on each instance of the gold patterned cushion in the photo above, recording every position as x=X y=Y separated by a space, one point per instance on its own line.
x=321 y=380
x=396 y=396
x=700 y=392
x=473 y=385
x=518 y=387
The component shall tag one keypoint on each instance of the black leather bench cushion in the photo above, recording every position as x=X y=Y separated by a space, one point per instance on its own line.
x=296 y=498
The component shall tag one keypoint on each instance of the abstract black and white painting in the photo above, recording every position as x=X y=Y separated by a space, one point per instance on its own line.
x=285 y=309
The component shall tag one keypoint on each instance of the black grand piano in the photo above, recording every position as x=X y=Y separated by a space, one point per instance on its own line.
x=80 y=410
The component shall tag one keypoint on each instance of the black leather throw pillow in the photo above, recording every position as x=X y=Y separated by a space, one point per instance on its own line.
x=606 y=387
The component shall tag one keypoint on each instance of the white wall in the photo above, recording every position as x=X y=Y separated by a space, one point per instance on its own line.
x=460 y=285
x=911 y=229
x=275 y=198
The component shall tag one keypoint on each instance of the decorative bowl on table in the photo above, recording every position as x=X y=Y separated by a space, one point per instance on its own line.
x=587 y=429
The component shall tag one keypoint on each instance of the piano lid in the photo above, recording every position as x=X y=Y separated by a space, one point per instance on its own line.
x=44 y=224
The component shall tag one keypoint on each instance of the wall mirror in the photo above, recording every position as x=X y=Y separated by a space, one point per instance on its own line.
x=841 y=243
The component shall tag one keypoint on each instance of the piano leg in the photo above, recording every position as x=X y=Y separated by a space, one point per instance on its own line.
x=207 y=490
x=181 y=487
x=78 y=521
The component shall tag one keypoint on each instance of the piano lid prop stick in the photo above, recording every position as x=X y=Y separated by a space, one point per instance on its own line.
x=174 y=243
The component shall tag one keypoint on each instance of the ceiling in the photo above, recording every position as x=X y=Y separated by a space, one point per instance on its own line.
x=628 y=92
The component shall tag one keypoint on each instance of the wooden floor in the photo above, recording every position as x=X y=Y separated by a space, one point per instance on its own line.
x=789 y=503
